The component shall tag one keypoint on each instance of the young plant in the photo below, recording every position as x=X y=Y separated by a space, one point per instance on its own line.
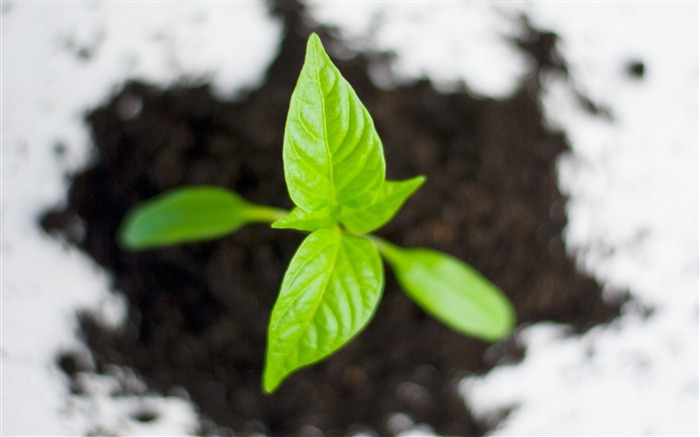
x=335 y=173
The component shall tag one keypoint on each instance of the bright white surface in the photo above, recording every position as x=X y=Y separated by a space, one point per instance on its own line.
x=449 y=42
x=633 y=182
x=46 y=88
x=633 y=223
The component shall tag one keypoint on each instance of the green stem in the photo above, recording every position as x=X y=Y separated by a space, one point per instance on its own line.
x=266 y=214
x=391 y=253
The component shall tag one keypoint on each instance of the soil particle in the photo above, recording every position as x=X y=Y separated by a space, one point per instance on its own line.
x=198 y=313
x=636 y=69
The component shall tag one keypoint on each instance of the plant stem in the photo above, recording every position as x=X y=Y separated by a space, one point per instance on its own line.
x=391 y=253
x=266 y=214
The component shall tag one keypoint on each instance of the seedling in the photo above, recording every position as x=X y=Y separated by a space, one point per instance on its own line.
x=335 y=173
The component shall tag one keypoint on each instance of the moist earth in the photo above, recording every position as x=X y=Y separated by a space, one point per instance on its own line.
x=198 y=313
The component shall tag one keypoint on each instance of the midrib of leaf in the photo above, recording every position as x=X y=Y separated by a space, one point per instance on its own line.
x=359 y=167
x=366 y=133
x=301 y=269
x=351 y=307
x=306 y=159
x=320 y=298
x=325 y=127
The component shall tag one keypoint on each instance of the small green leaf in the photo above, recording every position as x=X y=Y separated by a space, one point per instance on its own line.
x=332 y=153
x=328 y=295
x=308 y=220
x=390 y=199
x=190 y=214
x=451 y=291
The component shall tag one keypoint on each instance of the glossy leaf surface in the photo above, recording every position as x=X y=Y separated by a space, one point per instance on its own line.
x=451 y=291
x=332 y=153
x=329 y=293
x=390 y=199
x=308 y=220
x=190 y=214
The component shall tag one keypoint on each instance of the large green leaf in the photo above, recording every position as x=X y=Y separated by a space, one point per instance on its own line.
x=329 y=293
x=451 y=291
x=190 y=214
x=387 y=203
x=332 y=153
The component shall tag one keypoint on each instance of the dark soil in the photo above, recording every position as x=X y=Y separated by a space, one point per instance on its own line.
x=198 y=313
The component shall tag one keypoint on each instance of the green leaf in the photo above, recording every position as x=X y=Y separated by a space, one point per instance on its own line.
x=332 y=153
x=329 y=293
x=451 y=291
x=308 y=220
x=388 y=202
x=190 y=214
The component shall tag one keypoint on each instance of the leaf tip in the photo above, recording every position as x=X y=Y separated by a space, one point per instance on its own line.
x=507 y=320
x=314 y=47
x=271 y=380
x=268 y=388
x=126 y=243
x=418 y=181
x=509 y=323
x=129 y=236
x=314 y=39
x=505 y=325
